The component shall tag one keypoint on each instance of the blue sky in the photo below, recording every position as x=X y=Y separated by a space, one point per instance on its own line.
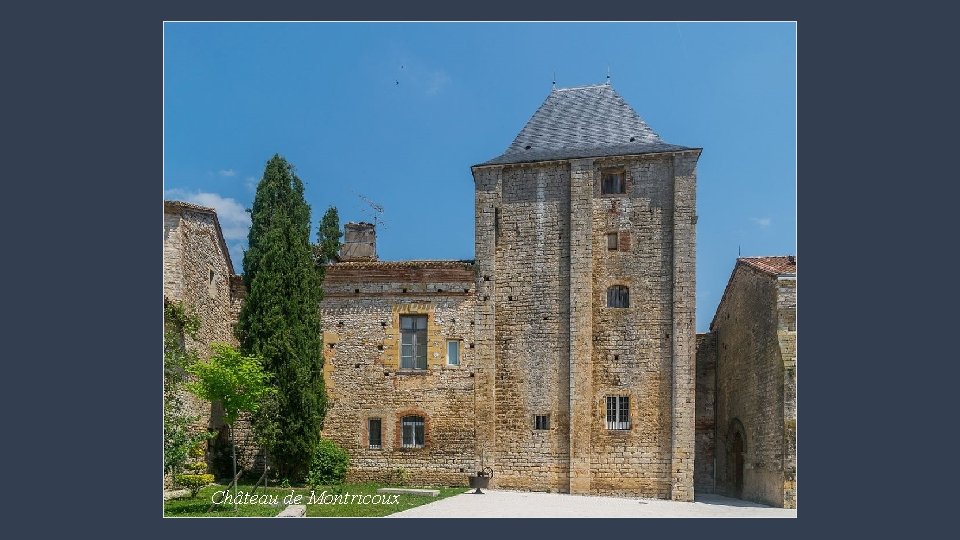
x=398 y=112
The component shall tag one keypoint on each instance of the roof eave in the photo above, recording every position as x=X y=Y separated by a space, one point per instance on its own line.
x=490 y=163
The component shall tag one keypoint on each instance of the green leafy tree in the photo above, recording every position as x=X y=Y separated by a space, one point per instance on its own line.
x=239 y=383
x=178 y=437
x=328 y=243
x=280 y=317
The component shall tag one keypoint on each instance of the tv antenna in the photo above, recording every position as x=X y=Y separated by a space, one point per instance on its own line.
x=374 y=210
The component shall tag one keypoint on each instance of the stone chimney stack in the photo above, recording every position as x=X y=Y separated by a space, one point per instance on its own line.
x=359 y=242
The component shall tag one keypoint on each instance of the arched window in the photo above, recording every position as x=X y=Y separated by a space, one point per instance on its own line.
x=618 y=296
x=412 y=429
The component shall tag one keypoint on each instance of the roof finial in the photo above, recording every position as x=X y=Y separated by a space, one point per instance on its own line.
x=608 y=74
x=554 y=79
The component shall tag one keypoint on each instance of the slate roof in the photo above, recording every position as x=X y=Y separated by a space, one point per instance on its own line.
x=582 y=122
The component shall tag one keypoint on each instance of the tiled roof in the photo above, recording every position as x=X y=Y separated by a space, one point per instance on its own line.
x=784 y=265
x=367 y=272
x=404 y=264
x=777 y=266
x=587 y=121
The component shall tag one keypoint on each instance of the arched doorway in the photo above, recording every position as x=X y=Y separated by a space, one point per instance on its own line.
x=737 y=451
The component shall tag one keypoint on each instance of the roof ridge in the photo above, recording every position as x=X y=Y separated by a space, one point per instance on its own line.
x=193 y=206
x=765 y=256
x=581 y=87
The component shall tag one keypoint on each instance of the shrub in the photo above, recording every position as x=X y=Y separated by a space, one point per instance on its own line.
x=194 y=482
x=401 y=476
x=196 y=452
x=197 y=467
x=329 y=465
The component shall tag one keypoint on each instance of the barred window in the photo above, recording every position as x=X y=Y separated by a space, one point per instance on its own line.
x=618 y=412
x=612 y=183
x=541 y=422
x=413 y=341
x=618 y=296
x=375 y=430
x=412 y=427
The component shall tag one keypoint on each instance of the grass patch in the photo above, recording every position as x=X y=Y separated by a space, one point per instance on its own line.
x=196 y=507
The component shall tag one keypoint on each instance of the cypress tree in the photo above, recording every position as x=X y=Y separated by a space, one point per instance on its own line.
x=327 y=248
x=280 y=318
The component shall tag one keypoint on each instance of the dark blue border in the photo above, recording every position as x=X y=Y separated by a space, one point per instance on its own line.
x=83 y=186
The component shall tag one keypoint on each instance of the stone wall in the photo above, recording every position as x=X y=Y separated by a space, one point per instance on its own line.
x=361 y=313
x=532 y=302
x=198 y=272
x=705 y=412
x=635 y=350
x=787 y=338
x=755 y=332
x=558 y=350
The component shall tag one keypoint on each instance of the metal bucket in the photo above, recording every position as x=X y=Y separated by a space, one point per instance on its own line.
x=481 y=480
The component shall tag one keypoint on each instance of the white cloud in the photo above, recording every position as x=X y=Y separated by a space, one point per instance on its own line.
x=234 y=218
x=762 y=222
x=251 y=184
x=227 y=172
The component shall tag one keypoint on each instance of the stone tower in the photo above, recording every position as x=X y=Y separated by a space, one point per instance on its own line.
x=585 y=337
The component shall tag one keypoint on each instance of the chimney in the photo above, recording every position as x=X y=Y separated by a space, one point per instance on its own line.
x=359 y=242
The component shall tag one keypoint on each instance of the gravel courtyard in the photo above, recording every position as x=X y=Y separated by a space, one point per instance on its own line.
x=494 y=503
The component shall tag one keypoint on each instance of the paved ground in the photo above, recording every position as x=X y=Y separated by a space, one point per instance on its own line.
x=495 y=503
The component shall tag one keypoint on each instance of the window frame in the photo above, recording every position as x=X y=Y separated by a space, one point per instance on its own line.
x=618 y=296
x=459 y=344
x=615 y=236
x=370 y=431
x=619 y=406
x=414 y=424
x=621 y=173
x=419 y=352
x=541 y=422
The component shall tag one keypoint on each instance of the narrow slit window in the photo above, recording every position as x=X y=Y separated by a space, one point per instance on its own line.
x=613 y=241
x=618 y=296
x=376 y=433
x=541 y=422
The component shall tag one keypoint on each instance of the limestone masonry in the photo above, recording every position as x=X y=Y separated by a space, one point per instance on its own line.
x=565 y=355
x=747 y=386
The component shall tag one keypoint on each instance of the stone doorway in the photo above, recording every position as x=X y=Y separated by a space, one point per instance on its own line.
x=737 y=451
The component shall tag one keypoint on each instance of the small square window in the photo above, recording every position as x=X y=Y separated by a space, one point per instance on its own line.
x=541 y=422
x=453 y=352
x=613 y=241
x=375 y=434
x=613 y=183
x=618 y=296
